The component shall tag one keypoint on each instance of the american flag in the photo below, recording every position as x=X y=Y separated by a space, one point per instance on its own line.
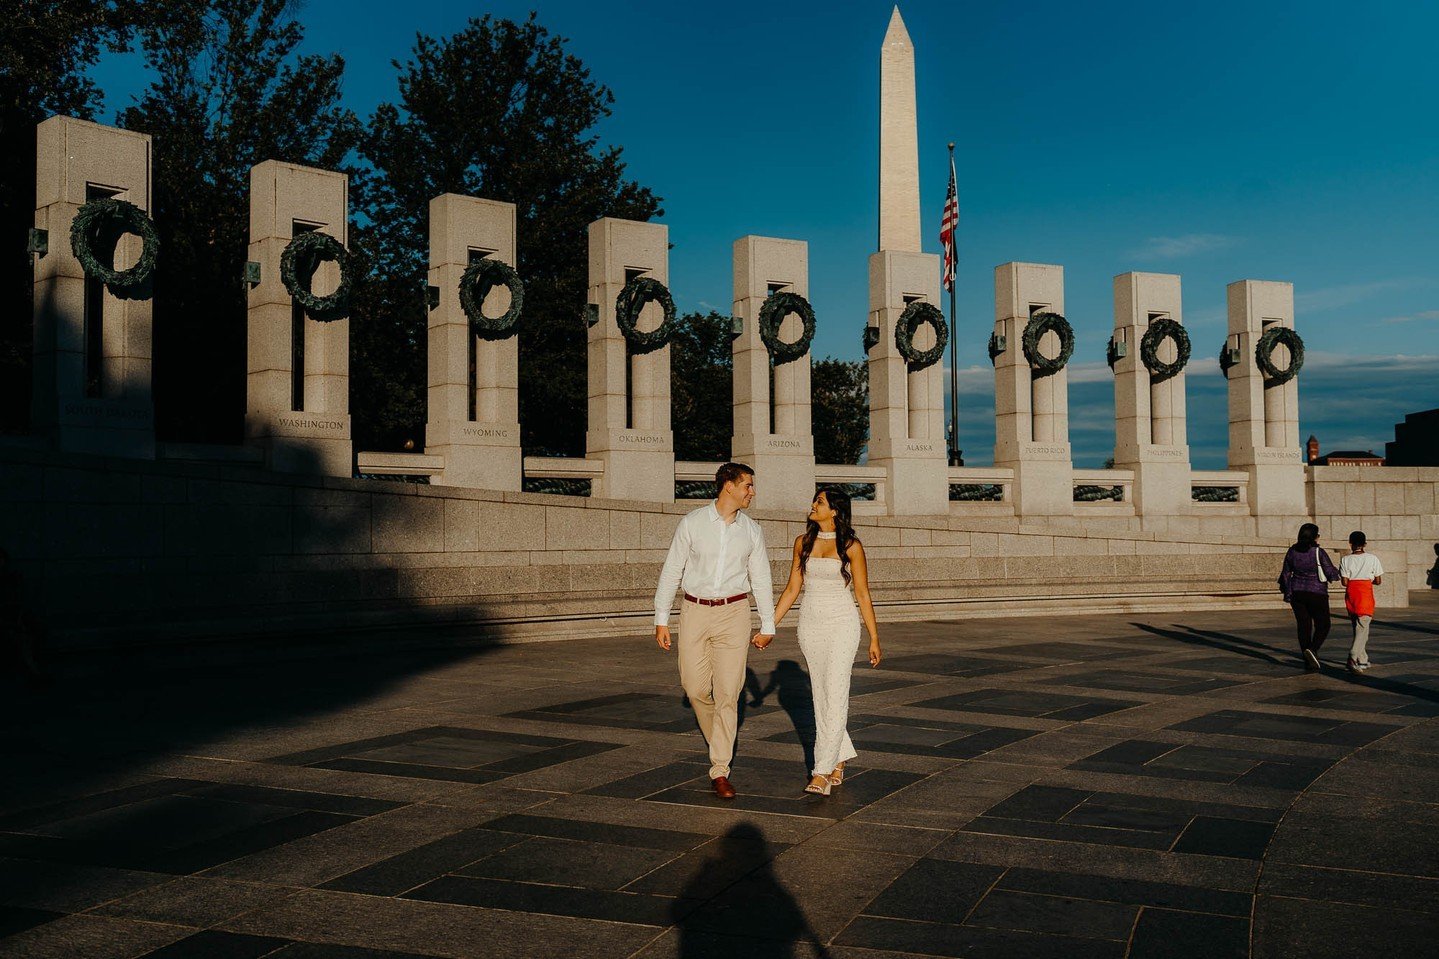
x=947 y=223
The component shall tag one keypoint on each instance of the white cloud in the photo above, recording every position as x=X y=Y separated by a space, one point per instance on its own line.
x=1176 y=247
x=1335 y=297
x=1414 y=317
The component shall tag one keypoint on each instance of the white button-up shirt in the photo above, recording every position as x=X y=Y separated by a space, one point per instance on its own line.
x=713 y=559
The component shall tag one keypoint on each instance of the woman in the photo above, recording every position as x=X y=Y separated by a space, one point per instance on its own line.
x=1360 y=571
x=1305 y=580
x=828 y=561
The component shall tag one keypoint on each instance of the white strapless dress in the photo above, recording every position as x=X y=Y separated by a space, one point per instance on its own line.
x=829 y=639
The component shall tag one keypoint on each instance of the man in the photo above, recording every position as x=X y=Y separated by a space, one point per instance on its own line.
x=718 y=556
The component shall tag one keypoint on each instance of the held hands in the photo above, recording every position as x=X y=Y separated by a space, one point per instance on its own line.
x=662 y=636
x=761 y=640
x=874 y=653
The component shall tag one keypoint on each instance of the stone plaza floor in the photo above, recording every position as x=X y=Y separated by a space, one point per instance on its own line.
x=1144 y=786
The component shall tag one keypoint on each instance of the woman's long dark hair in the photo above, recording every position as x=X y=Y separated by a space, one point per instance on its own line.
x=1308 y=536
x=838 y=501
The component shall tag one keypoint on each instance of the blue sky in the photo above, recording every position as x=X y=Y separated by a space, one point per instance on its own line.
x=1221 y=141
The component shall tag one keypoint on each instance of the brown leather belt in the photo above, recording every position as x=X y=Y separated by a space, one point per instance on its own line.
x=715 y=602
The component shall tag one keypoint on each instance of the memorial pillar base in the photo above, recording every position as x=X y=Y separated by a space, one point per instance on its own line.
x=917 y=476
x=783 y=466
x=478 y=455
x=1161 y=480
x=639 y=465
x=1043 y=479
x=315 y=443
x=101 y=426
x=1276 y=481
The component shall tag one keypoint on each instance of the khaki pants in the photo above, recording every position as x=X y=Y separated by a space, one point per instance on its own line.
x=1359 y=652
x=713 y=649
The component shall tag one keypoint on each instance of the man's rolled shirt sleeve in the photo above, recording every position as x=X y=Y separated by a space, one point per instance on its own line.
x=760 y=582
x=672 y=573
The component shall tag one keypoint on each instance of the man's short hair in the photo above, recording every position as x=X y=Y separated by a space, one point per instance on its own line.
x=729 y=473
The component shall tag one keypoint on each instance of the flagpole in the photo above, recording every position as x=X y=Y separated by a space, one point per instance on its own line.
x=954 y=452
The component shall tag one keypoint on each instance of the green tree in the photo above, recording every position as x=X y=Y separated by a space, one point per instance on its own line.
x=46 y=46
x=498 y=110
x=702 y=387
x=229 y=91
x=839 y=392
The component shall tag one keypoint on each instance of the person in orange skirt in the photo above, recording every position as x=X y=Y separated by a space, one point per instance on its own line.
x=1360 y=572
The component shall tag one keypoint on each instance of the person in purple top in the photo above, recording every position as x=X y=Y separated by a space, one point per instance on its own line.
x=1305 y=580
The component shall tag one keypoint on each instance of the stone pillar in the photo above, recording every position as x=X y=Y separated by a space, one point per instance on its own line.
x=474 y=412
x=1031 y=412
x=1150 y=422
x=906 y=409
x=1264 y=420
x=298 y=386
x=629 y=395
x=92 y=350
x=780 y=450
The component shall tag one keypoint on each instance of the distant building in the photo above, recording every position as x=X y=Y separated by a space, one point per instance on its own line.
x=1416 y=441
x=1342 y=457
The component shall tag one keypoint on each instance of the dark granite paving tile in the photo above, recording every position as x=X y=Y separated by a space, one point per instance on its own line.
x=317 y=950
x=1045 y=803
x=567 y=862
x=939 y=664
x=660 y=778
x=1127 y=682
x=1123 y=816
x=1012 y=702
x=1162 y=934
x=64 y=887
x=1064 y=832
x=1131 y=752
x=917 y=737
x=1358 y=701
x=511 y=743
x=1062 y=652
x=1283 y=775
x=84 y=805
x=212 y=944
x=1306 y=729
x=297 y=799
x=551 y=757
x=15 y=919
x=164 y=822
x=412 y=771
x=1234 y=838
x=1264 y=664
x=644 y=910
x=309 y=757
x=860 y=789
x=193 y=901
x=935 y=890
x=1135 y=892
x=649 y=711
x=1331 y=930
x=244 y=842
x=458 y=752
x=640 y=836
x=395 y=875
x=707 y=871
x=1380 y=890
x=1055 y=915
x=942 y=939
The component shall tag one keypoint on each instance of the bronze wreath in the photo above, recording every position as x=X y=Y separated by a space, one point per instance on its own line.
x=914 y=316
x=1264 y=355
x=1160 y=330
x=94 y=233
x=632 y=299
x=1038 y=325
x=298 y=262
x=772 y=314
x=476 y=282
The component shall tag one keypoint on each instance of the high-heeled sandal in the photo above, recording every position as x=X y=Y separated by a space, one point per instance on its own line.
x=836 y=778
x=819 y=789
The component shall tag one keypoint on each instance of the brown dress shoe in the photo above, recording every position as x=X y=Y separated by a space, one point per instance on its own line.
x=722 y=787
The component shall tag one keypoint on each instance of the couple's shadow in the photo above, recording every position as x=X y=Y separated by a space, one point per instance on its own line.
x=789 y=684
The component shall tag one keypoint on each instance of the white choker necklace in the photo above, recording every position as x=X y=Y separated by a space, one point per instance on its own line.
x=823 y=535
